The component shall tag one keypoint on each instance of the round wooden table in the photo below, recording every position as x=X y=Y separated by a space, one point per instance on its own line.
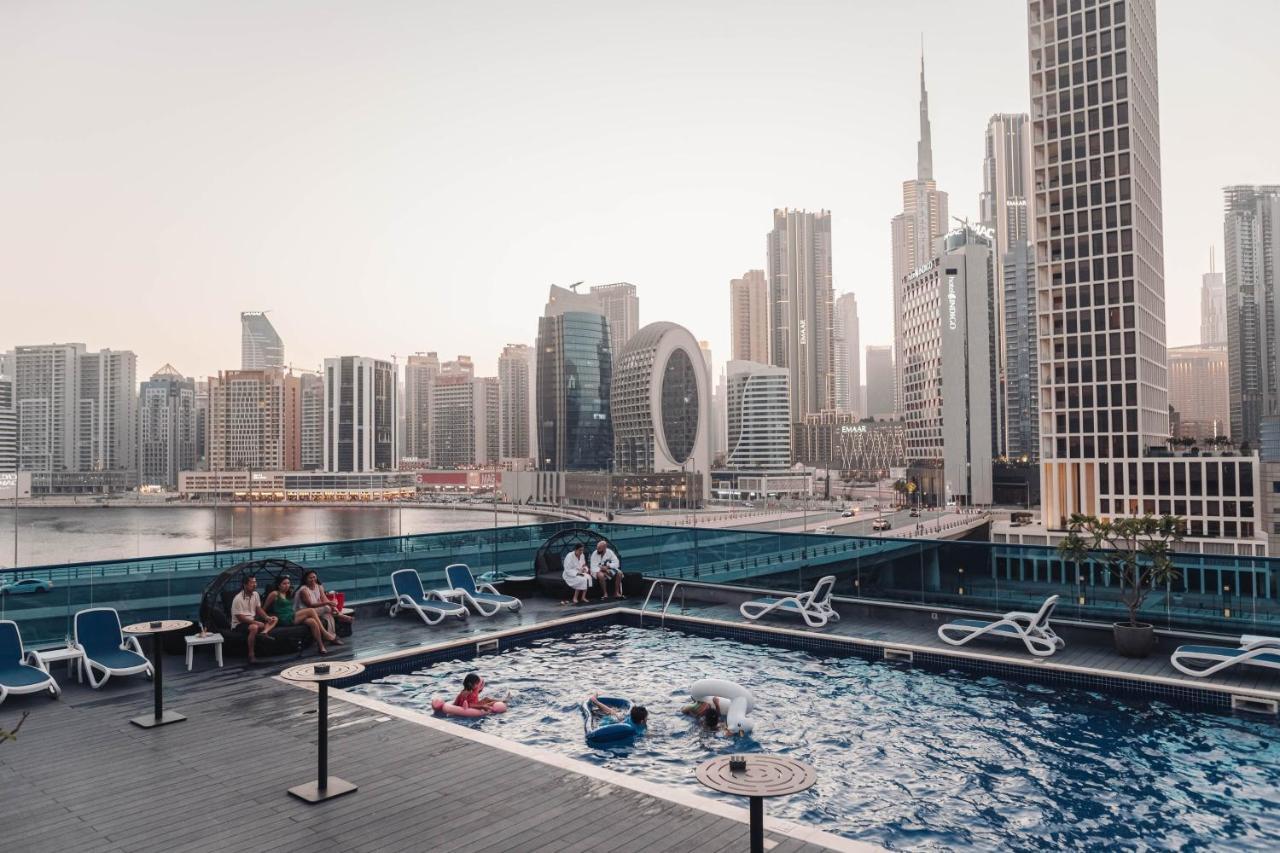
x=325 y=787
x=159 y=716
x=764 y=776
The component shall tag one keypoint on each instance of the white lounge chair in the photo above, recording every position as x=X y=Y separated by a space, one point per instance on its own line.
x=105 y=648
x=1031 y=628
x=16 y=675
x=1208 y=660
x=484 y=597
x=431 y=606
x=813 y=606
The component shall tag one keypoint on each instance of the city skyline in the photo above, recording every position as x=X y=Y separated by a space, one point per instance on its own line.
x=305 y=205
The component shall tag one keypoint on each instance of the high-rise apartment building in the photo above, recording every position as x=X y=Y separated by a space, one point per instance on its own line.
x=47 y=398
x=420 y=371
x=107 y=421
x=848 y=355
x=917 y=228
x=8 y=426
x=202 y=424
x=515 y=402
x=800 y=299
x=621 y=306
x=359 y=414
x=1020 y=377
x=881 y=377
x=465 y=414
x=759 y=416
x=254 y=421
x=574 y=380
x=1198 y=390
x=311 y=422
x=1104 y=413
x=1252 y=241
x=749 y=317
x=949 y=379
x=1213 y=306
x=166 y=428
x=260 y=346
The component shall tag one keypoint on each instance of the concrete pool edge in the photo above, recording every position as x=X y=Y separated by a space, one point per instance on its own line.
x=668 y=793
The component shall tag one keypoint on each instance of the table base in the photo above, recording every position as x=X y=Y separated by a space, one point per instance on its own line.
x=311 y=792
x=150 y=721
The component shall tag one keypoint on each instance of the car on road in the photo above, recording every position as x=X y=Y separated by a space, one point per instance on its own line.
x=915 y=513
x=849 y=513
x=748 y=505
x=880 y=524
x=26 y=585
x=824 y=530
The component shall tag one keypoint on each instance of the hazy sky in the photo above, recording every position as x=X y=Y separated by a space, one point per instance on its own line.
x=392 y=177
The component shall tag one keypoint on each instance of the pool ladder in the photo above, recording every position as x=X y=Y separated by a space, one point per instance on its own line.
x=670 y=597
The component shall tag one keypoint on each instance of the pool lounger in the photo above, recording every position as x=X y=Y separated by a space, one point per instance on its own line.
x=16 y=675
x=484 y=597
x=813 y=606
x=1253 y=651
x=105 y=648
x=432 y=607
x=1031 y=628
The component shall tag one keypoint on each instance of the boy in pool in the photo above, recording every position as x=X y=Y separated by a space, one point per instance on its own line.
x=470 y=697
x=707 y=713
x=639 y=714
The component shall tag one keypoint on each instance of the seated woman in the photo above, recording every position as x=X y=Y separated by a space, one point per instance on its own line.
x=313 y=595
x=280 y=602
x=577 y=575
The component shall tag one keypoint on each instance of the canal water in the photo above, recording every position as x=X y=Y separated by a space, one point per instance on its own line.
x=53 y=535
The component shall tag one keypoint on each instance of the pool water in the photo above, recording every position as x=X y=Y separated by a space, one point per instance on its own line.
x=906 y=758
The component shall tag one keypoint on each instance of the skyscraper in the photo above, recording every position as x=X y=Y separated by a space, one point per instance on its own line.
x=359 y=414
x=759 y=416
x=621 y=306
x=515 y=406
x=8 y=427
x=260 y=346
x=749 y=317
x=107 y=421
x=419 y=372
x=574 y=379
x=1020 y=377
x=1213 y=306
x=311 y=422
x=848 y=355
x=800 y=297
x=47 y=398
x=1104 y=415
x=464 y=418
x=880 y=381
x=202 y=424
x=916 y=230
x=254 y=421
x=1198 y=389
x=166 y=428
x=1252 y=241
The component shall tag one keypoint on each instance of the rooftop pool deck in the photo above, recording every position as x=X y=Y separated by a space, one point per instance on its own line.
x=85 y=779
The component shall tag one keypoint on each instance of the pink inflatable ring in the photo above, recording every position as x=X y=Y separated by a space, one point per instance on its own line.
x=448 y=708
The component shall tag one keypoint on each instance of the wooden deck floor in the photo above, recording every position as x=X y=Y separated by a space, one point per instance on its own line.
x=81 y=777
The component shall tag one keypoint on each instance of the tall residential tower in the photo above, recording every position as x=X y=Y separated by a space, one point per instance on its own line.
x=749 y=317
x=260 y=346
x=801 y=309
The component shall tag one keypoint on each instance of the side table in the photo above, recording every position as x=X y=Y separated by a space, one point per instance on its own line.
x=213 y=638
x=325 y=787
x=762 y=776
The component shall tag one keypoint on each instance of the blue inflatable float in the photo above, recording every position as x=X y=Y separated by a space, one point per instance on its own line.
x=602 y=729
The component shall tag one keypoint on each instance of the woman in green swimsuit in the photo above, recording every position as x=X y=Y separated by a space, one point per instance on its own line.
x=280 y=603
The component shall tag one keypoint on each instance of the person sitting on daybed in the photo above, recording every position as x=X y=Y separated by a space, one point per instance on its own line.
x=280 y=603
x=248 y=616
x=577 y=574
x=313 y=595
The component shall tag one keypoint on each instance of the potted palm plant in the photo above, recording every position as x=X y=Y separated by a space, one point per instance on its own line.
x=1138 y=552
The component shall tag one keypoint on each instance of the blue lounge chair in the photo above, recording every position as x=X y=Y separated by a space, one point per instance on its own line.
x=17 y=676
x=105 y=648
x=813 y=606
x=484 y=597
x=1208 y=660
x=407 y=586
x=1031 y=628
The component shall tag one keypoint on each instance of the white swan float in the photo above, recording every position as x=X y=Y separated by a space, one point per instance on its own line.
x=739 y=700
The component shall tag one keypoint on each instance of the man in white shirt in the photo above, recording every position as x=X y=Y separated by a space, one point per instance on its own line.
x=247 y=614
x=577 y=574
x=605 y=567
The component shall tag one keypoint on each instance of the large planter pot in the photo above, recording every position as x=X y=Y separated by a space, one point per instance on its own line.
x=1134 y=641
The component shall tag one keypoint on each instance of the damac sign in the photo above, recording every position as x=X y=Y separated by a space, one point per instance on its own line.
x=951 y=302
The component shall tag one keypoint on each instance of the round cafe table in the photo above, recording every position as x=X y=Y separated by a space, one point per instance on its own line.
x=159 y=716
x=325 y=787
x=763 y=776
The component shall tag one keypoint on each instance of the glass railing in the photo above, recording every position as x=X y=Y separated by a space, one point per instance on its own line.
x=1215 y=594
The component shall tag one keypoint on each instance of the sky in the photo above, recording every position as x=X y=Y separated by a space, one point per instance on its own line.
x=394 y=177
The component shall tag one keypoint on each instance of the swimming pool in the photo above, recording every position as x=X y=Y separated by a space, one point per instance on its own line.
x=906 y=758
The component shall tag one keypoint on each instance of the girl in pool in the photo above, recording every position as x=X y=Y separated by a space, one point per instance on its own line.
x=707 y=713
x=470 y=696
